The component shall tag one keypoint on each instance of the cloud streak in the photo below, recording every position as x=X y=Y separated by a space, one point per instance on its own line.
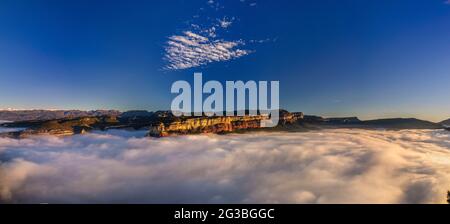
x=192 y=50
x=203 y=41
x=225 y=22
x=339 y=166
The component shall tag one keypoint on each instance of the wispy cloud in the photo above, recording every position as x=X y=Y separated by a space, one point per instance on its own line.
x=206 y=40
x=192 y=50
x=251 y=3
x=225 y=22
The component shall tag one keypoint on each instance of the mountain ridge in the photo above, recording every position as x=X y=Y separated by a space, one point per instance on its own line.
x=164 y=123
x=445 y=122
x=40 y=114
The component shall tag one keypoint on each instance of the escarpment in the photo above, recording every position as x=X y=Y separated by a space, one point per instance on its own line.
x=205 y=125
x=217 y=125
x=164 y=123
x=159 y=124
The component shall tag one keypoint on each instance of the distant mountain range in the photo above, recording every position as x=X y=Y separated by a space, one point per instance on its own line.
x=389 y=123
x=164 y=123
x=446 y=122
x=402 y=123
x=28 y=115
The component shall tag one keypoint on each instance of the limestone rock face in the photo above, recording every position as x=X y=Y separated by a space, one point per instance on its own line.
x=206 y=125
x=290 y=118
x=222 y=124
x=159 y=124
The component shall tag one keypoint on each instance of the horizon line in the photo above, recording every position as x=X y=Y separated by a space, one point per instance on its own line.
x=307 y=114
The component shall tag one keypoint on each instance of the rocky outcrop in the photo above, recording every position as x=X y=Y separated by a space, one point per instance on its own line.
x=290 y=118
x=222 y=124
x=164 y=123
x=160 y=124
x=206 y=125
x=61 y=127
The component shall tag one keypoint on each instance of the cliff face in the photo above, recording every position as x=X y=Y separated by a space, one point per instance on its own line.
x=159 y=124
x=164 y=123
x=222 y=124
x=205 y=125
x=62 y=127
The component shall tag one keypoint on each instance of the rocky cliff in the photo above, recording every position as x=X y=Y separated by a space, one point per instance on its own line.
x=159 y=124
x=61 y=127
x=205 y=125
x=164 y=123
x=223 y=124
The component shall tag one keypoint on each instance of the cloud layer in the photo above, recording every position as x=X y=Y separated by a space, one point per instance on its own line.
x=339 y=166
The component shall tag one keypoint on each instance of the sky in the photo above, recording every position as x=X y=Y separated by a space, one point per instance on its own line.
x=371 y=59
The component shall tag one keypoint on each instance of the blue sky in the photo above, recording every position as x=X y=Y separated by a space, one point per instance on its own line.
x=333 y=58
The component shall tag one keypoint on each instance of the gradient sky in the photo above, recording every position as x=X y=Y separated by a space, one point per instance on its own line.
x=370 y=59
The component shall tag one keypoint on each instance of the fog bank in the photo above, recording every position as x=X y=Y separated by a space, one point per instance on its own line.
x=334 y=166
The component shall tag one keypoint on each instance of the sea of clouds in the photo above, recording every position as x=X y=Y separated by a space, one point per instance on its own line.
x=333 y=166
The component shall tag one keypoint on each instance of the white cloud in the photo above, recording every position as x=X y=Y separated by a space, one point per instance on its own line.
x=211 y=32
x=336 y=166
x=250 y=4
x=225 y=22
x=262 y=41
x=192 y=50
x=202 y=42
